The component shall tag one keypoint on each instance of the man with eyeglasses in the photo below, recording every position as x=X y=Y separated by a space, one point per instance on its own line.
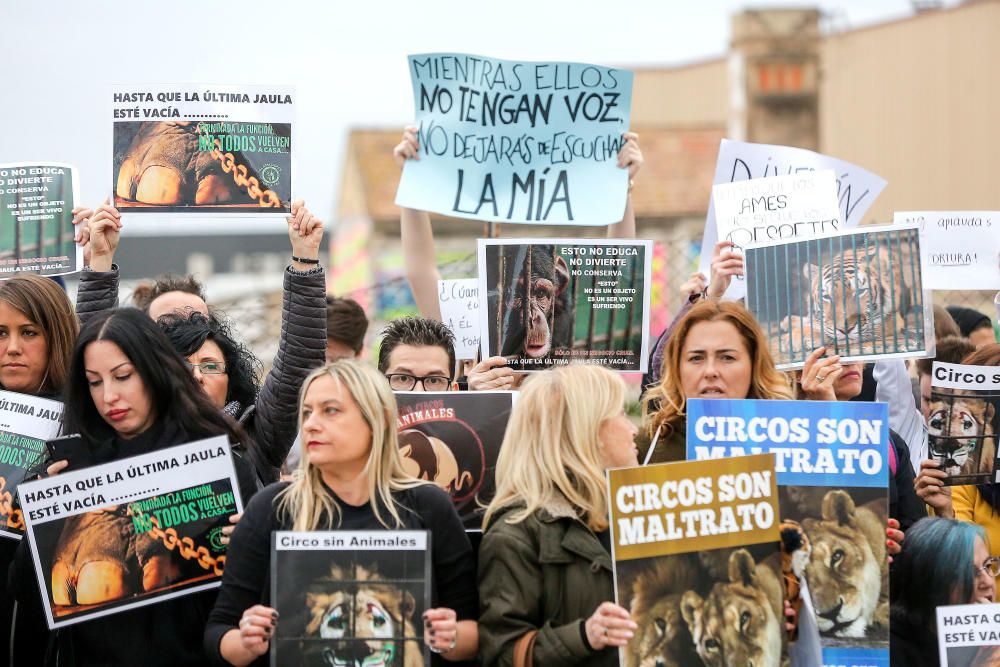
x=417 y=354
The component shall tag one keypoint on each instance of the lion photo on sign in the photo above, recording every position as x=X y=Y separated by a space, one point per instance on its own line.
x=961 y=434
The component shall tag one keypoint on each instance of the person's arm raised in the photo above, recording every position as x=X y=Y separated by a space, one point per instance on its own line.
x=630 y=156
x=417 y=237
x=99 y=233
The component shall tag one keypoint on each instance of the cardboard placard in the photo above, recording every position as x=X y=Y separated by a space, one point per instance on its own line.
x=459 y=302
x=36 y=219
x=857 y=293
x=159 y=514
x=857 y=188
x=963 y=248
x=963 y=421
x=345 y=594
x=198 y=148
x=685 y=537
x=512 y=141
x=832 y=469
x=549 y=302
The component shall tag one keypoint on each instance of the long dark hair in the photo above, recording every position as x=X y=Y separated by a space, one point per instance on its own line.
x=174 y=394
x=188 y=334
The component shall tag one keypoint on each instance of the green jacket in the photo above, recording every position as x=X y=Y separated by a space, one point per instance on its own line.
x=548 y=572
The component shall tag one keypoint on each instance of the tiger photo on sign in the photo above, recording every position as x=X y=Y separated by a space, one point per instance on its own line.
x=857 y=294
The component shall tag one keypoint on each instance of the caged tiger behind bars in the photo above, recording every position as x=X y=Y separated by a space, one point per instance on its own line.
x=858 y=294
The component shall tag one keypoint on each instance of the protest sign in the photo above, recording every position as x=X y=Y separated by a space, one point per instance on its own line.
x=132 y=532
x=459 y=301
x=857 y=188
x=453 y=439
x=969 y=635
x=194 y=148
x=347 y=597
x=548 y=302
x=36 y=219
x=963 y=419
x=963 y=248
x=858 y=293
x=782 y=207
x=833 y=474
x=26 y=422
x=510 y=141
x=689 y=540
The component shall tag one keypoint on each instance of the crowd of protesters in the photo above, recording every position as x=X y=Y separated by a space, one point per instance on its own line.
x=315 y=448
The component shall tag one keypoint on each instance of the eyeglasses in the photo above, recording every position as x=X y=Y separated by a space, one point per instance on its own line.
x=990 y=566
x=208 y=367
x=406 y=382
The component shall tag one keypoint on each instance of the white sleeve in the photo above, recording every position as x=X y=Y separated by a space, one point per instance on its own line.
x=893 y=386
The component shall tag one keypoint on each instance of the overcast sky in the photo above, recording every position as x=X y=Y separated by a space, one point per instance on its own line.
x=347 y=60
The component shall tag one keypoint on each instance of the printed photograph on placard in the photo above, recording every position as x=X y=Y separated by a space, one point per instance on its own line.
x=132 y=532
x=202 y=149
x=36 y=219
x=350 y=598
x=859 y=294
x=963 y=420
x=548 y=302
x=453 y=439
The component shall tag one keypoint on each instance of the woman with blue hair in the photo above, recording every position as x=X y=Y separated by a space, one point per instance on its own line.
x=942 y=562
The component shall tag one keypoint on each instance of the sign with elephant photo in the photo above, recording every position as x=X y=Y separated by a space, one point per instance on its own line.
x=697 y=563
x=130 y=533
x=453 y=439
x=512 y=141
x=549 y=302
x=858 y=293
x=26 y=422
x=833 y=475
x=963 y=419
x=968 y=635
x=36 y=219
x=350 y=597
x=190 y=148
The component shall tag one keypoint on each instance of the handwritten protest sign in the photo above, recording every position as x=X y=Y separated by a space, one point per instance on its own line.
x=459 y=301
x=343 y=594
x=26 y=422
x=963 y=248
x=858 y=293
x=685 y=538
x=170 y=505
x=453 y=439
x=968 y=635
x=767 y=209
x=963 y=420
x=548 y=302
x=857 y=188
x=513 y=141
x=190 y=148
x=36 y=219
x=831 y=464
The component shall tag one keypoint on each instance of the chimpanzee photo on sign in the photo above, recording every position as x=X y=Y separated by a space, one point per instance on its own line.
x=547 y=302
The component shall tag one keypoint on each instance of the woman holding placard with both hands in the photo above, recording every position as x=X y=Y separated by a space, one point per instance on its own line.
x=351 y=477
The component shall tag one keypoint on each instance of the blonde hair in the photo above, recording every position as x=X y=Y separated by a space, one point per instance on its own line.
x=306 y=501
x=551 y=449
x=664 y=405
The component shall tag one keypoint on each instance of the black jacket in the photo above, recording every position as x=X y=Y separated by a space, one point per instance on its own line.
x=272 y=421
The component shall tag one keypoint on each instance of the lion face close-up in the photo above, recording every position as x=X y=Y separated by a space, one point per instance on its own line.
x=960 y=430
x=738 y=623
x=369 y=620
x=846 y=570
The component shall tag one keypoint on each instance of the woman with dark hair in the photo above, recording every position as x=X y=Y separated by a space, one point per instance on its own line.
x=268 y=414
x=37 y=331
x=979 y=504
x=129 y=393
x=943 y=562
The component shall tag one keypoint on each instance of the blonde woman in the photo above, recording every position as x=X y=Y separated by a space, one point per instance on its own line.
x=717 y=351
x=544 y=563
x=351 y=478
